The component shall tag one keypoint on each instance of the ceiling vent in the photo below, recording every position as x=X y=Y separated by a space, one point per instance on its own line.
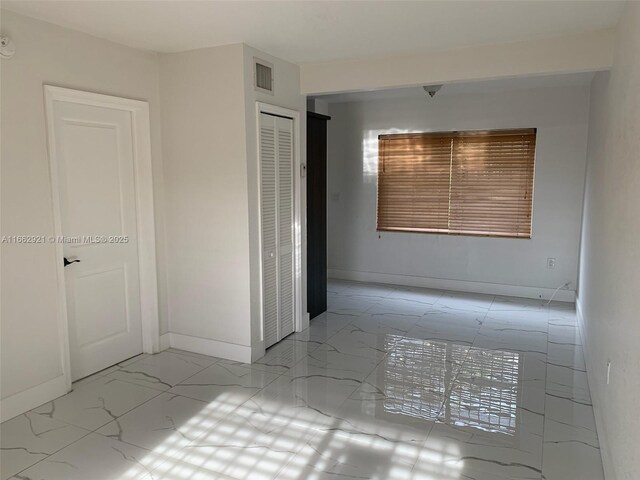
x=263 y=76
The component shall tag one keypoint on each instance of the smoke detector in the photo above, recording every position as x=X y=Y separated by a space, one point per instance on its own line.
x=432 y=89
x=7 y=48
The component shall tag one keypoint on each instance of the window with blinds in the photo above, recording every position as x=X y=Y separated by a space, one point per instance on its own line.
x=458 y=183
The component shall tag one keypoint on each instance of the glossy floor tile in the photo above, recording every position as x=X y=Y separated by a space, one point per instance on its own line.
x=390 y=383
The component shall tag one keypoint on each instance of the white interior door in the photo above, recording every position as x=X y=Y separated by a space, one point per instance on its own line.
x=94 y=152
x=277 y=218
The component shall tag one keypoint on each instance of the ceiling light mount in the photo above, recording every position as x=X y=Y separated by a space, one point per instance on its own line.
x=432 y=89
x=7 y=48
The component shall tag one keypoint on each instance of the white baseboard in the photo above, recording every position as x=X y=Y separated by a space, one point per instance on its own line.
x=34 y=397
x=456 y=285
x=206 y=346
x=605 y=452
x=165 y=341
x=24 y=401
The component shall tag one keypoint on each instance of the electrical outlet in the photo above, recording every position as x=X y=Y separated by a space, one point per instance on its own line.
x=608 y=371
x=551 y=263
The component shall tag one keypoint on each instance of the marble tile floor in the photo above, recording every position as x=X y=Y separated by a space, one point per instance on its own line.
x=390 y=383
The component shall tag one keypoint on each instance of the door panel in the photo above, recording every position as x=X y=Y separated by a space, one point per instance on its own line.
x=108 y=310
x=94 y=152
x=93 y=198
x=276 y=196
x=286 y=295
x=285 y=224
x=269 y=230
x=270 y=301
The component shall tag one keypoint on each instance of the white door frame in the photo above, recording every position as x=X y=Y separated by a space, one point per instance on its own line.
x=139 y=112
x=298 y=240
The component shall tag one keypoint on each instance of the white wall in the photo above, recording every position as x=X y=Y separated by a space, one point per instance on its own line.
x=610 y=255
x=211 y=169
x=286 y=93
x=47 y=54
x=559 y=114
x=205 y=160
x=584 y=52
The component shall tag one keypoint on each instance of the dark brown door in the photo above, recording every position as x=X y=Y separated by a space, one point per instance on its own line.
x=316 y=213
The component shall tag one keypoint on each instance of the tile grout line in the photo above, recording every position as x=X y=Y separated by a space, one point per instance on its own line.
x=95 y=430
x=544 y=409
x=325 y=342
x=448 y=391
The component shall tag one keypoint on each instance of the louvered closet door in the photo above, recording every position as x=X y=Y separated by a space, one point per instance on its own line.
x=268 y=190
x=285 y=224
x=276 y=176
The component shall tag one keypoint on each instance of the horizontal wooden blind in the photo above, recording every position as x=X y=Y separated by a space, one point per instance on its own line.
x=464 y=183
x=413 y=187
